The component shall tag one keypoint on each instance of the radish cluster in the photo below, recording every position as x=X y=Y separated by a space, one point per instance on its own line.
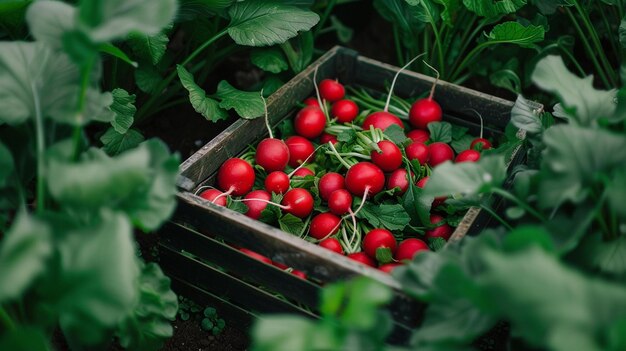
x=339 y=162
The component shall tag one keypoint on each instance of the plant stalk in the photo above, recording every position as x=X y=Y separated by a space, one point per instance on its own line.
x=505 y=194
x=41 y=148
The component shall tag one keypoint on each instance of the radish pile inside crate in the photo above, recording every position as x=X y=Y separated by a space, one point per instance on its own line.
x=346 y=172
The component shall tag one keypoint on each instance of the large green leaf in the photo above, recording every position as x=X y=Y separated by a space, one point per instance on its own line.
x=247 y=104
x=149 y=324
x=150 y=48
x=524 y=117
x=204 y=105
x=94 y=283
x=24 y=252
x=466 y=178
x=516 y=33
x=271 y=60
x=124 y=108
x=451 y=7
x=34 y=79
x=572 y=160
x=490 y=8
x=566 y=301
x=147 y=78
x=106 y=20
x=264 y=23
x=392 y=217
x=114 y=143
x=49 y=20
x=583 y=103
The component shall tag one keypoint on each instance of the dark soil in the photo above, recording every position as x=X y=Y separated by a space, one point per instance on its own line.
x=189 y=336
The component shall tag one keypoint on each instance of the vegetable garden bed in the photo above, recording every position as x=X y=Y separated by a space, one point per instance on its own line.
x=201 y=264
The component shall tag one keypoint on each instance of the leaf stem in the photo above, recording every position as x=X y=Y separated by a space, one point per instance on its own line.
x=324 y=17
x=397 y=44
x=141 y=114
x=41 y=147
x=437 y=37
x=507 y=195
x=588 y=48
x=496 y=216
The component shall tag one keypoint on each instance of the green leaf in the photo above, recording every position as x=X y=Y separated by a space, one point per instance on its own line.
x=524 y=117
x=264 y=23
x=147 y=78
x=106 y=20
x=391 y=217
x=271 y=84
x=93 y=284
x=53 y=86
x=114 y=51
x=384 y=255
x=609 y=257
x=48 y=21
x=24 y=254
x=395 y=134
x=283 y=333
x=573 y=302
x=572 y=159
x=467 y=178
x=440 y=132
x=363 y=296
x=149 y=324
x=270 y=59
x=24 y=339
x=450 y=8
x=207 y=324
x=425 y=10
x=436 y=244
x=507 y=79
x=490 y=8
x=291 y=224
x=207 y=107
x=248 y=105
x=582 y=102
x=299 y=51
x=462 y=144
x=344 y=33
x=148 y=48
x=114 y=143
x=124 y=108
x=516 y=33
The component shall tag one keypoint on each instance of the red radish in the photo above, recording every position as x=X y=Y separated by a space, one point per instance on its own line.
x=345 y=111
x=381 y=120
x=235 y=177
x=363 y=258
x=440 y=153
x=325 y=138
x=467 y=156
x=331 y=90
x=303 y=172
x=389 y=267
x=340 y=202
x=256 y=256
x=480 y=143
x=256 y=207
x=440 y=231
x=299 y=274
x=427 y=110
x=398 y=179
x=310 y=122
x=277 y=182
x=484 y=144
x=299 y=150
x=332 y=244
x=376 y=239
x=330 y=182
x=438 y=200
x=298 y=202
x=323 y=225
x=408 y=248
x=211 y=194
x=311 y=101
x=272 y=154
x=418 y=151
x=389 y=159
x=364 y=178
x=418 y=135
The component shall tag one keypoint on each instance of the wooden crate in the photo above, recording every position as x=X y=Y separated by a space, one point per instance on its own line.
x=203 y=267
